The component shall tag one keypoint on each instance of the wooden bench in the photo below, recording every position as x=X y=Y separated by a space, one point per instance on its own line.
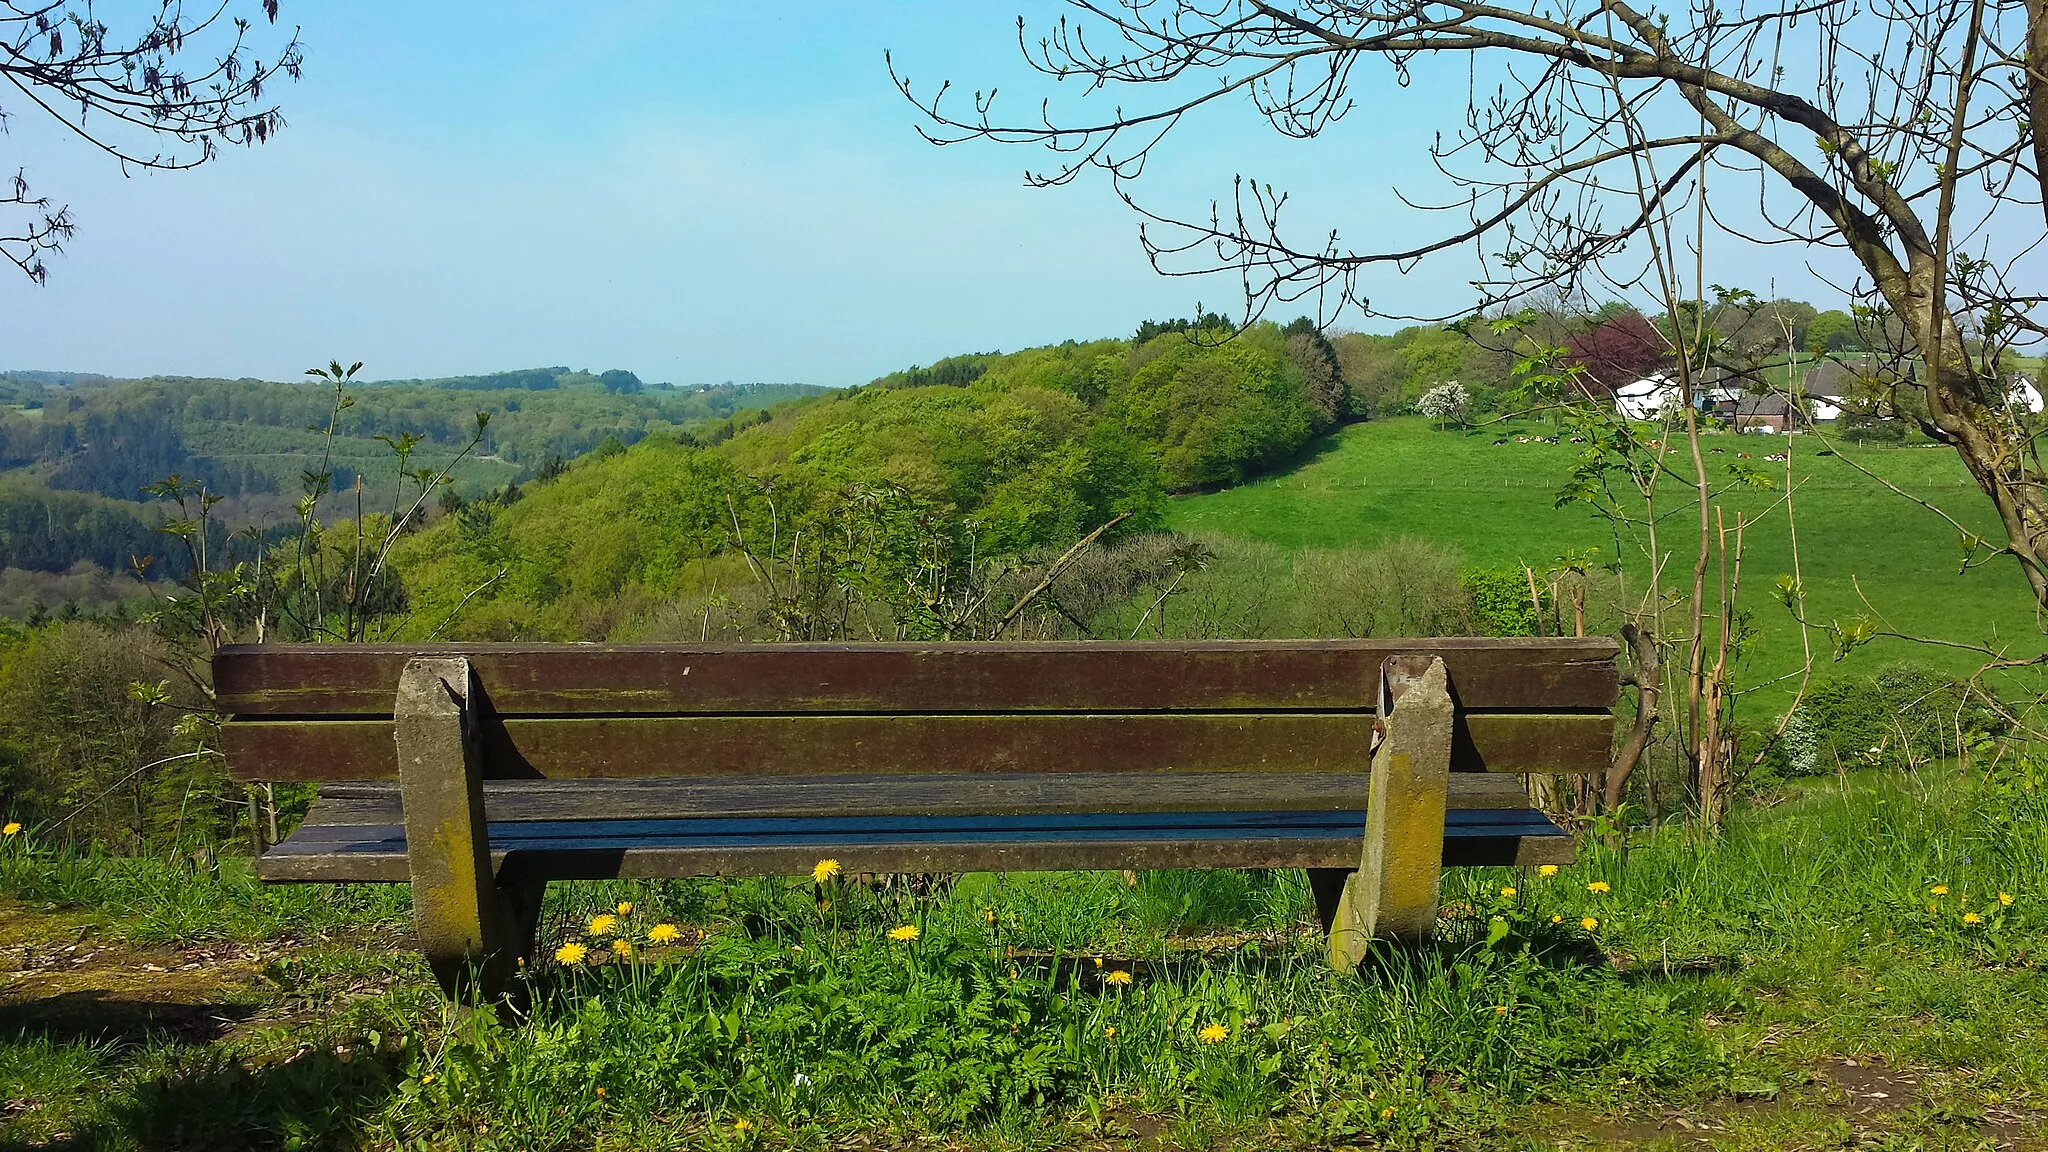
x=478 y=773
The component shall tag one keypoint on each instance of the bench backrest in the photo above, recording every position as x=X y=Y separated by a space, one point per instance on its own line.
x=1279 y=708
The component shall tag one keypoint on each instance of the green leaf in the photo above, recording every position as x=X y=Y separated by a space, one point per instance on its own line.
x=1496 y=931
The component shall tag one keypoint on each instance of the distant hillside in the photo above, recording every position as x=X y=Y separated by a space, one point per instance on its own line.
x=78 y=449
x=985 y=455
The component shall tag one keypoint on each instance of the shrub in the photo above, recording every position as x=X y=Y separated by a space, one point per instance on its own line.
x=1902 y=715
x=1405 y=587
x=1500 y=602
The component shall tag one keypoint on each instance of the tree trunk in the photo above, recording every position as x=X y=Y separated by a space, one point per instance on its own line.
x=1648 y=677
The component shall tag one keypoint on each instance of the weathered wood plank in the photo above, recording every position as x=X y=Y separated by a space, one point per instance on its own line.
x=616 y=747
x=931 y=795
x=371 y=857
x=825 y=830
x=1199 y=676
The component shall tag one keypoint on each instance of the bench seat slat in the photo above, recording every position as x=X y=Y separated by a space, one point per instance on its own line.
x=930 y=795
x=601 y=849
x=878 y=829
x=1170 y=676
x=620 y=747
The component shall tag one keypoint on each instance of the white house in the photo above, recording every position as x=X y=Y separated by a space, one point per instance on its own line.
x=1647 y=398
x=1828 y=385
x=2023 y=393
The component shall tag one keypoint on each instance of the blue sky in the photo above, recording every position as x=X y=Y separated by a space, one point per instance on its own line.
x=695 y=191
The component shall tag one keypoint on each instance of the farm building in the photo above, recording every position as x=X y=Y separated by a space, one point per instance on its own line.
x=2022 y=392
x=1765 y=414
x=1830 y=385
x=1646 y=399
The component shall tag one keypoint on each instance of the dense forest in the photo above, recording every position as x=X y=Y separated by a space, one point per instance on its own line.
x=78 y=451
x=917 y=482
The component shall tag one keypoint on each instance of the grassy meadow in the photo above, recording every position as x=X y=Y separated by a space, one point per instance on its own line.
x=1497 y=503
x=1854 y=965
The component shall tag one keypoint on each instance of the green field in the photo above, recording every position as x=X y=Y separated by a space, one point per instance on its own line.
x=1497 y=502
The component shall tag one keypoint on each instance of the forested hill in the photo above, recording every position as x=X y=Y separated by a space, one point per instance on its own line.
x=901 y=481
x=77 y=451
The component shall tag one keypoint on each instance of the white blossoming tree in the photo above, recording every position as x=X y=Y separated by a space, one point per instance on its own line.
x=1446 y=403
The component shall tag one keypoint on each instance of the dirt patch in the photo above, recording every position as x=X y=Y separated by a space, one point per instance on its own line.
x=1702 y=1127
x=1871 y=1089
x=1852 y=1102
x=1871 y=1086
x=62 y=979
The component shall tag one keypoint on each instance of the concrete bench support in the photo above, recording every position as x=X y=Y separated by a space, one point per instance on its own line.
x=474 y=934
x=1393 y=894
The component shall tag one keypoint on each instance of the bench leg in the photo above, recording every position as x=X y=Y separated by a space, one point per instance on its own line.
x=1327 y=886
x=474 y=936
x=1393 y=895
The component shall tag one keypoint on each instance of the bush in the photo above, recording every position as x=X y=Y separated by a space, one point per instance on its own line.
x=89 y=736
x=1500 y=602
x=1873 y=430
x=1405 y=587
x=1903 y=715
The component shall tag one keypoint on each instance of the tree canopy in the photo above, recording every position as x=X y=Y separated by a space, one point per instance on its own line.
x=163 y=90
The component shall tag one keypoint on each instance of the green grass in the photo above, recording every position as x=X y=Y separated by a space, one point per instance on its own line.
x=1498 y=504
x=1720 y=978
x=159 y=902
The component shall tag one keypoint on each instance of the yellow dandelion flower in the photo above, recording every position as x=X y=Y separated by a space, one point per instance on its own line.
x=1938 y=890
x=1547 y=870
x=1589 y=923
x=1500 y=1009
x=1557 y=919
x=13 y=826
x=903 y=933
x=2005 y=899
x=664 y=934
x=622 y=948
x=1932 y=908
x=571 y=953
x=741 y=1125
x=600 y=1091
x=1109 y=1033
x=824 y=870
x=1507 y=891
x=1387 y=1113
x=625 y=907
x=1599 y=887
x=1117 y=978
x=1098 y=961
x=1213 y=1034
x=427 y=1079
x=1972 y=918
x=603 y=923
x=988 y=914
